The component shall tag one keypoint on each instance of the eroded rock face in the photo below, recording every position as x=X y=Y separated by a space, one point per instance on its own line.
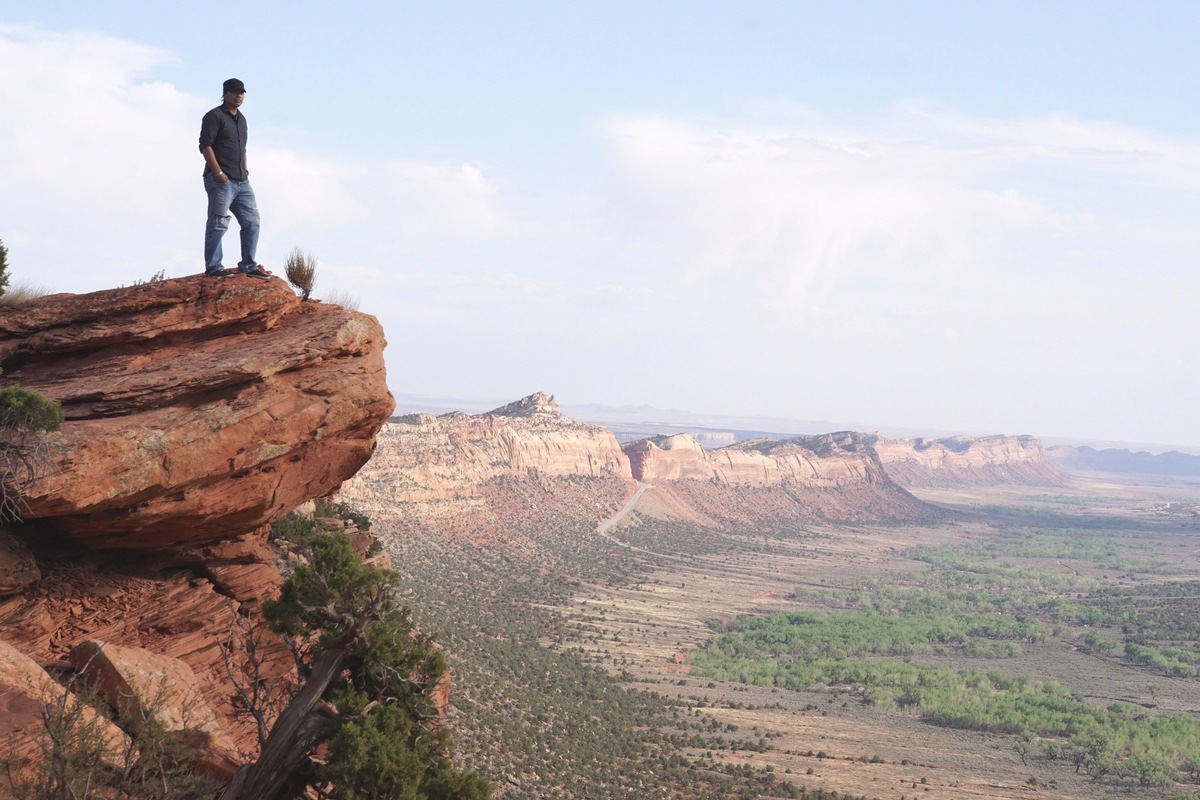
x=846 y=458
x=496 y=479
x=197 y=409
x=142 y=684
x=826 y=460
x=25 y=691
x=442 y=466
x=963 y=460
x=834 y=476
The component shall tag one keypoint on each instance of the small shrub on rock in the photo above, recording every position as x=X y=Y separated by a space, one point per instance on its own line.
x=301 y=270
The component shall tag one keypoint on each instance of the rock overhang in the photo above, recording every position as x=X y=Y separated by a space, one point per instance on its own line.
x=196 y=409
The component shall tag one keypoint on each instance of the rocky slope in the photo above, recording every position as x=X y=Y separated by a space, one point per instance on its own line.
x=961 y=460
x=197 y=411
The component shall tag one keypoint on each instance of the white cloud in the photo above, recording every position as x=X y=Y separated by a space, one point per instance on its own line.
x=803 y=211
x=1014 y=271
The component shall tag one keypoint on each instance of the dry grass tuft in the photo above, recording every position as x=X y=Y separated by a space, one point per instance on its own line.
x=22 y=295
x=340 y=297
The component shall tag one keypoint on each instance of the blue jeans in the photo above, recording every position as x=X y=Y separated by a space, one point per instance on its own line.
x=236 y=198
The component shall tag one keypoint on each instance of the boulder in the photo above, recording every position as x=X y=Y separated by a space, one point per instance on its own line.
x=142 y=685
x=25 y=691
x=196 y=409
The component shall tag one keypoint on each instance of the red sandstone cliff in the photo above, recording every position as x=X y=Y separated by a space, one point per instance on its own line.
x=197 y=411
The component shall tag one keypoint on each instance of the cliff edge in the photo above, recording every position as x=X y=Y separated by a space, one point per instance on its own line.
x=196 y=409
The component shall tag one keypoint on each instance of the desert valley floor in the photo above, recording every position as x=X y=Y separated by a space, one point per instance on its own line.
x=637 y=599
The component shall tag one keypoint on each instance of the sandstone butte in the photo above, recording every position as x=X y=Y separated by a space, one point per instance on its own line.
x=197 y=411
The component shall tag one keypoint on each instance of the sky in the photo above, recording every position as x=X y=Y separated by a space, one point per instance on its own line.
x=976 y=217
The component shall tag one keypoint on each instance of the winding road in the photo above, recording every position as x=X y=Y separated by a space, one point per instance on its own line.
x=603 y=528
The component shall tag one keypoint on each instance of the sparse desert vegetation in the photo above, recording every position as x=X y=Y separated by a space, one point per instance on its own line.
x=1028 y=641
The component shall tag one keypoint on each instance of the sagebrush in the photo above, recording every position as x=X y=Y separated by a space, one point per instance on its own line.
x=301 y=270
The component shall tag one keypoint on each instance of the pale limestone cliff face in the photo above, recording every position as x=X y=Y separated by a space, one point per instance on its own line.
x=763 y=483
x=818 y=461
x=440 y=466
x=964 y=461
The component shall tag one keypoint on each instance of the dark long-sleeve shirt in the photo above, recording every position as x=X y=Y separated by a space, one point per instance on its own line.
x=226 y=135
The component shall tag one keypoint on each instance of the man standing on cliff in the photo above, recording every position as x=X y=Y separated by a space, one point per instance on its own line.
x=227 y=181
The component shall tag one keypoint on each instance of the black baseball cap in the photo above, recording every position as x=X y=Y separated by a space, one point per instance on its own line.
x=234 y=85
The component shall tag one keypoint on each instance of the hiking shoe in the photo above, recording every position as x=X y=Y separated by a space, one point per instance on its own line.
x=257 y=272
x=218 y=273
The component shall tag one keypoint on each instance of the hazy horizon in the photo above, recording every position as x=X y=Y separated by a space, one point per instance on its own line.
x=600 y=413
x=942 y=216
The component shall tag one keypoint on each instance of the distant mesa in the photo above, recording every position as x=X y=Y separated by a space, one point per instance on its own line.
x=908 y=462
x=964 y=461
x=803 y=460
x=1124 y=461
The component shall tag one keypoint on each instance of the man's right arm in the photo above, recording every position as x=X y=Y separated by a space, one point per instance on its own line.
x=208 y=134
x=210 y=158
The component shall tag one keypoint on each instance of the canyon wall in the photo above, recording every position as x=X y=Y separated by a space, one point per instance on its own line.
x=831 y=477
x=493 y=476
x=496 y=477
x=964 y=461
x=826 y=460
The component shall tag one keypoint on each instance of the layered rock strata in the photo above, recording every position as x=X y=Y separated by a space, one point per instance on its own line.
x=835 y=476
x=964 y=461
x=825 y=460
x=196 y=409
x=478 y=476
x=501 y=476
